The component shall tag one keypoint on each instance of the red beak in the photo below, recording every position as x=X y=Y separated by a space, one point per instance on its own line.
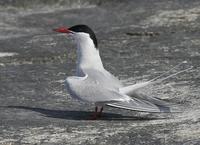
x=62 y=30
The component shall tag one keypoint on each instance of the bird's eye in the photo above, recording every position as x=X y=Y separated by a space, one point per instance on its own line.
x=71 y=32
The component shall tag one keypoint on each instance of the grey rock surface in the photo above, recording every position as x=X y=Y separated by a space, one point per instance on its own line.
x=138 y=40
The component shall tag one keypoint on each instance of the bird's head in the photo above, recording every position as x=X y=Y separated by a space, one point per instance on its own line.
x=79 y=32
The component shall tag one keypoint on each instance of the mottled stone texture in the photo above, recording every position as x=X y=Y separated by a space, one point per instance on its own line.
x=138 y=40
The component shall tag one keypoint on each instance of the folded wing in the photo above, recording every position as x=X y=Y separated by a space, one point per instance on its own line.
x=144 y=103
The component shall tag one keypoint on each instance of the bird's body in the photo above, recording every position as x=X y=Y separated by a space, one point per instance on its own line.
x=90 y=74
x=94 y=84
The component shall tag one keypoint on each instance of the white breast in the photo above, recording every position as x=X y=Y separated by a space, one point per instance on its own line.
x=88 y=55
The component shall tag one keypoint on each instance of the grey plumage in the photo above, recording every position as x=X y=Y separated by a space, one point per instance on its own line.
x=96 y=85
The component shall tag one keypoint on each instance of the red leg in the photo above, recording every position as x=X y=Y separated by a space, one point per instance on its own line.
x=95 y=115
x=100 y=112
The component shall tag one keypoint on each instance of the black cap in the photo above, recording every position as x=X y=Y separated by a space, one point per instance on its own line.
x=85 y=29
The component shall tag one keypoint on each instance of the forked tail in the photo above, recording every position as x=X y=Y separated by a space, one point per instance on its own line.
x=128 y=90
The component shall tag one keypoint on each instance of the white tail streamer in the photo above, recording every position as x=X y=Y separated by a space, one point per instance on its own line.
x=176 y=66
x=132 y=88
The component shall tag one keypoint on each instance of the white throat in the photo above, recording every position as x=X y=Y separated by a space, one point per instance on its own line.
x=88 y=55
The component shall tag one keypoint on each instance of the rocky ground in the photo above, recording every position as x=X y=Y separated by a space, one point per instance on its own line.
x=138 y=40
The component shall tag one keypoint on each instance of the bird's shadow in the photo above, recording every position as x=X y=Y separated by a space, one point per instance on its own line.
x=80 y=115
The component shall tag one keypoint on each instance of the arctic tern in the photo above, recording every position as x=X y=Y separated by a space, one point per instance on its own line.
x=96 y=85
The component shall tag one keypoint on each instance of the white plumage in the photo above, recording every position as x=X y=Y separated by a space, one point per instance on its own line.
x=94 y=84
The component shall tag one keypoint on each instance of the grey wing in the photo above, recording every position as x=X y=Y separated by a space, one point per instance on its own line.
x=102 y=95
x=140 y=102
x=95 y=87
x=96 y=91
x=104 y=78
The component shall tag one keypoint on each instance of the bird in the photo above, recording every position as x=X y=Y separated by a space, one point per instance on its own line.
x=92 y=83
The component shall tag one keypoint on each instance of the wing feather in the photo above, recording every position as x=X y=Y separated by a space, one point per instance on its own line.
x=147 y=104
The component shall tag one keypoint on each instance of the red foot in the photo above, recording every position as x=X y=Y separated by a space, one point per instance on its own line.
x=96 y=114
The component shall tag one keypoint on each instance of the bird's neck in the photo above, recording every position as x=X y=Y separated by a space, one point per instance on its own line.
x=88 y=56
